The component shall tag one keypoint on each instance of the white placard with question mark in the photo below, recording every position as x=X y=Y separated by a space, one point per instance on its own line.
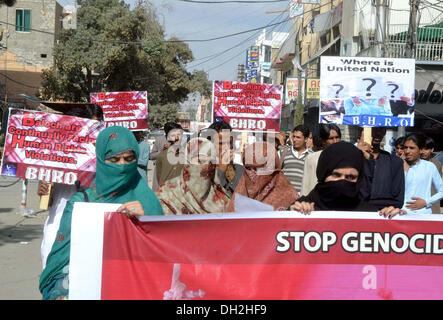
x=394 y=90
x=369 y=88
x=336 y=91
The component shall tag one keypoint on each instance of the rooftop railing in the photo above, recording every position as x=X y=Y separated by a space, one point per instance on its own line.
x=429 y=44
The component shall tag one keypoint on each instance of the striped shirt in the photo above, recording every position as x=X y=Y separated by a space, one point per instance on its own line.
x=293 y=164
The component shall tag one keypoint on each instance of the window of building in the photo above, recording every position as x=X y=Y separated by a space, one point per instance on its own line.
x=268 y=54
x=23 y=20
x=267 y=80
x=336 y=31
x=325 y=39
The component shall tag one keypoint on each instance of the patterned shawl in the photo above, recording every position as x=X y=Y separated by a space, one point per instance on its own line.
x=194 y=191
x=263 y=179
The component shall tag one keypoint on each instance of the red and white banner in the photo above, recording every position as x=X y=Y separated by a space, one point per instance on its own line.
x=267 y=256
x=126 y=109
x=248 y=106
x=51 y=147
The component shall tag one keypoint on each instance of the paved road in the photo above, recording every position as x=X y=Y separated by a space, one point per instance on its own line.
x=20 y=240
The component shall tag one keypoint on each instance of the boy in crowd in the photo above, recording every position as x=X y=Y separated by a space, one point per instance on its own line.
x=419 y=177
x=426 y=154
x=293 y=160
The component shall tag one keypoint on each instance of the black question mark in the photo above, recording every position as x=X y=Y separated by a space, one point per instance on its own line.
x=396 y=88
x=338 y=91
x=368 y=89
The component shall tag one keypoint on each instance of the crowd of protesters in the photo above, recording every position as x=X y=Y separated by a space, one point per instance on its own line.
x=304 y=171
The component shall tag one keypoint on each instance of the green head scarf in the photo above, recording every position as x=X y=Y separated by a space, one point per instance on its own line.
x=120 y=183
x=114 y=183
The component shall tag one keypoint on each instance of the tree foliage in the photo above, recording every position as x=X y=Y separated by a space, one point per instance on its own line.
x=200 y=83
x=299 y=111
x=160 y=114
x=115 y=48
x=8 y=3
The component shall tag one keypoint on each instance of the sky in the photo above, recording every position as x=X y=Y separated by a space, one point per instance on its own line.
x=195 y=21
x=199 y=21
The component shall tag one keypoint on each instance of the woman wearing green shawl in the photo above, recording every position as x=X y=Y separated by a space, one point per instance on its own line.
x=117 y=181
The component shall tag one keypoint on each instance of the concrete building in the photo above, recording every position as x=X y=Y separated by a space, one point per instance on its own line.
x=267 y=42
x=348 y=28
x=28 y=33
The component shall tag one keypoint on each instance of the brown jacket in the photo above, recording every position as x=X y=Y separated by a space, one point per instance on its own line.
x=164 y=170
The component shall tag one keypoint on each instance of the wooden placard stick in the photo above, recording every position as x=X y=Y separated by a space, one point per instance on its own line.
x=367 y=135
x=44 y=200
x=244 y=141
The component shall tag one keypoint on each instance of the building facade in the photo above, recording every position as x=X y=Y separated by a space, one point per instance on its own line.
x=267 y=42
x=28 y=34
x=349 y=28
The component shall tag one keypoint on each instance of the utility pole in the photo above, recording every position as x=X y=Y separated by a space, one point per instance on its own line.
x=380 y=51
x=412 y=30
x=299 y=106
x=380 y=33
x=411 y=42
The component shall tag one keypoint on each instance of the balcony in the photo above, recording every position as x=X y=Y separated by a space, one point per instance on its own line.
x=429 y=46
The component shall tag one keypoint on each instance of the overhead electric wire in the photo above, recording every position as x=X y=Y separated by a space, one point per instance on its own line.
x=290 y=34
x=226 y=61
x=167 y=41
x=232 y=1
x=252 y=14
x=171 y=41
x=226 y=9
x=230 y=35
x=18 y=82
x=215 y=55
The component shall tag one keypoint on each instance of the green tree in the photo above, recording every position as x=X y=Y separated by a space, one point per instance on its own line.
x=200 y=83
x=115 y=48
x=8 y=3
x=299 y=111
x=160 y=114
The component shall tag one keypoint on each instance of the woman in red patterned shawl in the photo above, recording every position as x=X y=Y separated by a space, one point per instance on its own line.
x=194 y=191
x=263 y=179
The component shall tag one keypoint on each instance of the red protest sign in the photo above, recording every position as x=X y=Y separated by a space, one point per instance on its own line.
x=127 y=109
x=51 y=147
x=248 y=106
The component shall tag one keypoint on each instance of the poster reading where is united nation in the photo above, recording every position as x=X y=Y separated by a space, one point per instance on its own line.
x=364 y=91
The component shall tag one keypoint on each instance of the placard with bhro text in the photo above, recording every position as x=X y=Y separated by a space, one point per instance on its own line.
x=126 y=109
x=365 y=91
x=51 y=147
x=247 y=106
